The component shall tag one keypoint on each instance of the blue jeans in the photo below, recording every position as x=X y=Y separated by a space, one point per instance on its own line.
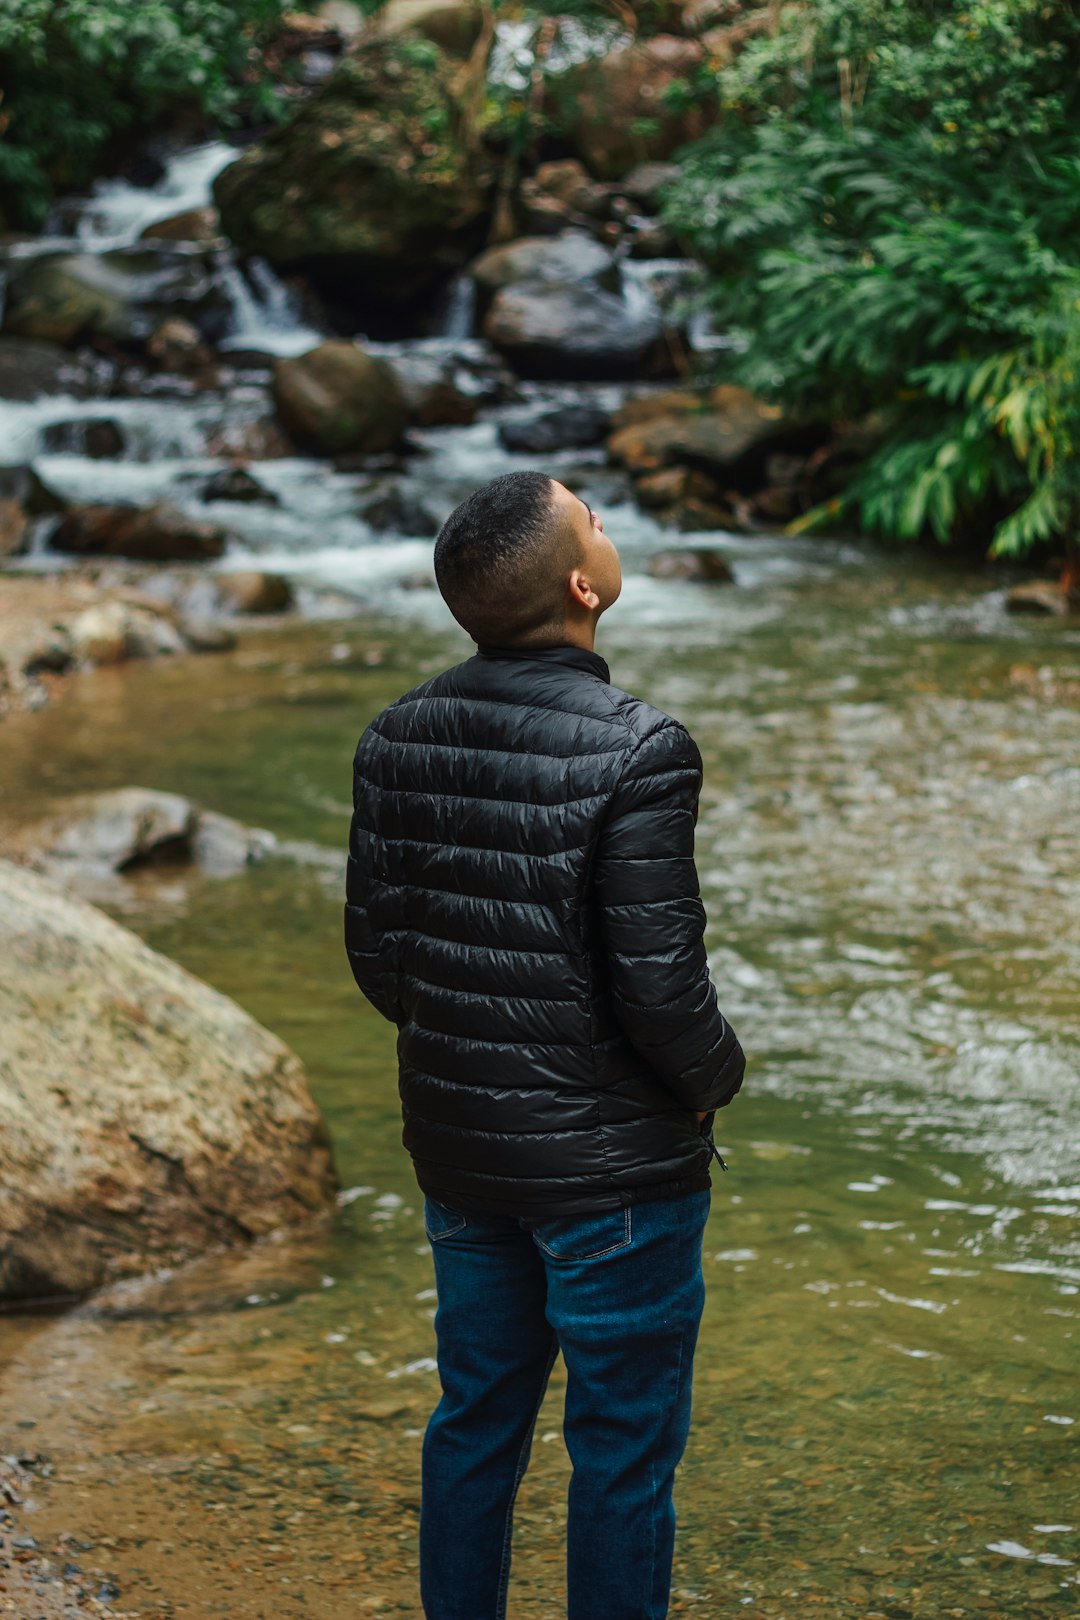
x=621 y=1294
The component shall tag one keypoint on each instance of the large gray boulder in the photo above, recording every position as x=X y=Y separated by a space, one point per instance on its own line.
x=575 y=330
x=144 y=1117
x=571 y=256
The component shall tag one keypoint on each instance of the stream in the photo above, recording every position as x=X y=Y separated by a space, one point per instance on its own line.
x=888 y=855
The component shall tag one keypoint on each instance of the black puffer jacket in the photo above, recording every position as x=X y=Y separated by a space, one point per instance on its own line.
x=522 y=901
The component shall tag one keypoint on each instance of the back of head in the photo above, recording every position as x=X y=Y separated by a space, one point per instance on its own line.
x=502 y=558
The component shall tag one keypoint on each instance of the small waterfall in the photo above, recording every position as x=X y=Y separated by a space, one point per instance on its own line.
x=459 y=312
x=265 y=312
x=671 y=287
x=116 y=213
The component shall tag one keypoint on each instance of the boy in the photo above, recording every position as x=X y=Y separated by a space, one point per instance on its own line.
x=522 y=902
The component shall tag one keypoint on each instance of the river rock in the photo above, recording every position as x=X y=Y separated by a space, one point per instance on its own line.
x=98 y=438
x=338 y=398
x=251 y=591
x=14 y=525
x=575 y=331
x=121 y=295
x=31 y=369
x=697 y=563
x=397 y=512
x=112 y=631
x=92 y=835
x=177 y=345
x=567 y=427
x=430 y=389
x=645 y=183
x=731 y=440
x=572 y=256
x=237 y=484
x=659 y=491
x=1047 y=596
x=205 y=634
x=191 y=225
x=368 y=188
x=157 y=533
x=114 y=831
x=261 y=439
x=612 y=111
x=144 y=1116
x=566 y=180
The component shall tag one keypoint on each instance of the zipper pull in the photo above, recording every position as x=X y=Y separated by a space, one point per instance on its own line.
x=714 y=1149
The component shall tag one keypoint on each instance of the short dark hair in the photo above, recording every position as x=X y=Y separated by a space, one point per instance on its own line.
x=501 y=560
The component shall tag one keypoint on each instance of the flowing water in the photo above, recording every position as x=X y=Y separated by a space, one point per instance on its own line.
x=888 y=853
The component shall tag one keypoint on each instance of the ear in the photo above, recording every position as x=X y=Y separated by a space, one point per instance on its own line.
x=581 y=592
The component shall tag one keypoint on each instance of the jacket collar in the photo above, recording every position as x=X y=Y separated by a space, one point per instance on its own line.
x=564 y=653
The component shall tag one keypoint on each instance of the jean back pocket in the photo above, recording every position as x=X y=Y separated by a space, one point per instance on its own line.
x=584 y=1237
x=440 y=1221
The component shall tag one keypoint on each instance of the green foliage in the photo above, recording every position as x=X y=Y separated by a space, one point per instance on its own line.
x=78 y=73
x=890 y=223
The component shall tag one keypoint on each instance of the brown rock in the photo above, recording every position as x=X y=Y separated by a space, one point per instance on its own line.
x=144 y=1116
x=1046 y=596
x=259 y=440
x=177 y=345
x=192 y=225
x=337 y=398
x=249 y=591
x=731 y=440
x=659 y=490
x=698 y=563
x=13 y=527
x=566 y=180
x=665 y=402
x=157 y=533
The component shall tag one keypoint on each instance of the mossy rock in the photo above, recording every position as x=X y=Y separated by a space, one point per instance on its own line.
x=369 y=189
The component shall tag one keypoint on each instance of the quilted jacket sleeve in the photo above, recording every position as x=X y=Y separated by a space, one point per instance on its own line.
x=362 y=942
x=652 y=924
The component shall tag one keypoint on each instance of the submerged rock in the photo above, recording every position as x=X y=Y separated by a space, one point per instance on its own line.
x=144 y=1116
x=369 y=188
x=338 y=398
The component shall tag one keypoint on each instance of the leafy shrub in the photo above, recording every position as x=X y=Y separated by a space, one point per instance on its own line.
x=888 y=216
x=78 y=73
